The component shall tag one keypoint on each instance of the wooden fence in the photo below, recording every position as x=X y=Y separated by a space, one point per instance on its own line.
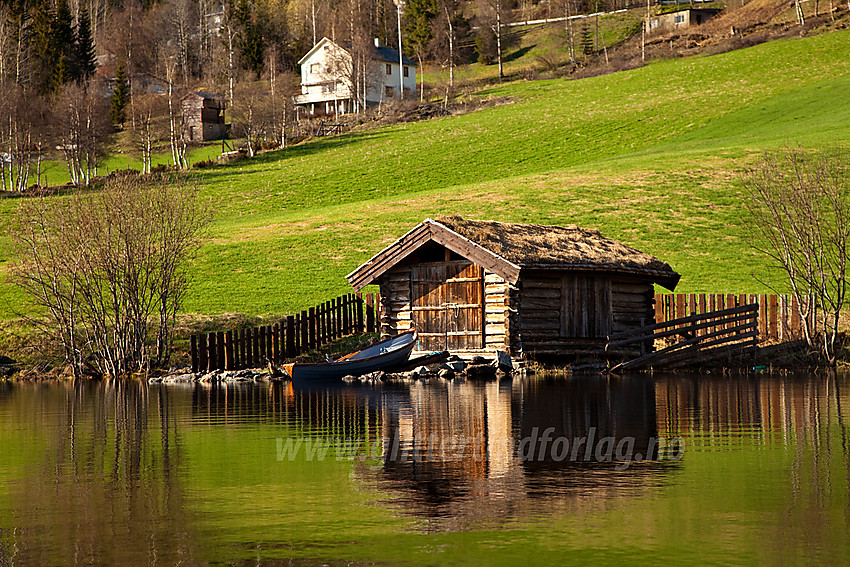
x=293 y=335
x=779 y=316
x=707 y=337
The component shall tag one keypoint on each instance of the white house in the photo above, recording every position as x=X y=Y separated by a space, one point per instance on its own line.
x=332 y=81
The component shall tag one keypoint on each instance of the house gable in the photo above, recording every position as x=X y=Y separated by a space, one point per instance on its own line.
x=430 y=231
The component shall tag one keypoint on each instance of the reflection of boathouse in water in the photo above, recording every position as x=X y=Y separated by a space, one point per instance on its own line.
x=482 y=449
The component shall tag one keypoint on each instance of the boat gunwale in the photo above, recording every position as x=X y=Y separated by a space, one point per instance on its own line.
x=351 y=362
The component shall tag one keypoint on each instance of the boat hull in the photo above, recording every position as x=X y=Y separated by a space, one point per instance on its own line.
x=385 y=356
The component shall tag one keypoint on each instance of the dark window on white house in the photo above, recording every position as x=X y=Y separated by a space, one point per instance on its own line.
x=389 y=91
x=389 y=69
x=680 y=19
x=407 y=71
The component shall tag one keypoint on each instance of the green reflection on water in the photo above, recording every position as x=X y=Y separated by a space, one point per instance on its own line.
x=126 y=474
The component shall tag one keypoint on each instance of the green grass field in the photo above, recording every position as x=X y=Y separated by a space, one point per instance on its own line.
x=651 y=157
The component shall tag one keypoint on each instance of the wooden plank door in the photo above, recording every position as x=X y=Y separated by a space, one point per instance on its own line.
x=447 y=301
x=585 y=307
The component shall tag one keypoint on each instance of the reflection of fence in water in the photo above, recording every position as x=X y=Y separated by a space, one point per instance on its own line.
x=321 y=413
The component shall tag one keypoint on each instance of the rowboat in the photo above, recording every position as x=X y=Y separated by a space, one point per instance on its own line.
x=386 y=355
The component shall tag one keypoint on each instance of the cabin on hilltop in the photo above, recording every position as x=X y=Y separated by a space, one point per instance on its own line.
x=203 y=117
x=331 y=82
x=533 y=291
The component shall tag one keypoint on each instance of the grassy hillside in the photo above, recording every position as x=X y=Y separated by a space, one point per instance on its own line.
x=649 y=156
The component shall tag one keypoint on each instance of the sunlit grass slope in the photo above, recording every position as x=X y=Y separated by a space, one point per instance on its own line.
x=649 y=156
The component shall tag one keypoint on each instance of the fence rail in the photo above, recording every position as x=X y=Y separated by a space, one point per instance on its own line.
x=779 y=316
x=705 y=337
x=291 y=336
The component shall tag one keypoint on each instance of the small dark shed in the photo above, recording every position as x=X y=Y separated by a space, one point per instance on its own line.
x=203 y=117
x=533 y=291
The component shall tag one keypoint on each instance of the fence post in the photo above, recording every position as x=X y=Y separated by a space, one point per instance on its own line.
x=281 y=352
x=305 y=333
x=795 y=317
x=290 y=336
x=219 y=339
x=193 y=350
x=328 y=321
x=269 y=344
x=297 y=334
x=228 y=350
x=275 y=343
x=320 y=325
x=260 y=343
x=203 y=353
x=337 y=308
x=311 y=327
x=211 y=352
x=370 y=313
x=772 y=317
x=258 y=357
x=360 y=327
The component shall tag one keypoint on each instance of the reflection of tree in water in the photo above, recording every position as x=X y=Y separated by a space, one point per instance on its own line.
x=102 y=485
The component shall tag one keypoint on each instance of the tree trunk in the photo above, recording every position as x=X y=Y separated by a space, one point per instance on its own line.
x=569 y=29
x=421 y=79
x=451 y=47
x=801 y=19
x=499 y=37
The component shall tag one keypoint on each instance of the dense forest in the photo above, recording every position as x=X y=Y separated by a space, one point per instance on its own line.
x=74 y=73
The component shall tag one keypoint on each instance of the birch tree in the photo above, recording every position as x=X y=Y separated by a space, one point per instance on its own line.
x=109 y=269
x=81 y=122
x=799 y=206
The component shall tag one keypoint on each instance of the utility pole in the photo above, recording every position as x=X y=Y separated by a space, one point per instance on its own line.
x=399 y=6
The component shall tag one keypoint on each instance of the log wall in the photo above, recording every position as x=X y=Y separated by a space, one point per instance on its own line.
x=395 y=291
x=544 y=314
x=570 y=314
x=497 y=312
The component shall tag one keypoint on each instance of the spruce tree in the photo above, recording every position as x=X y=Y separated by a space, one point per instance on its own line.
x=40 y=40
x=61 y=46
x=250 y=41
x=417 y=30
x=120 y=96
x=84 y=56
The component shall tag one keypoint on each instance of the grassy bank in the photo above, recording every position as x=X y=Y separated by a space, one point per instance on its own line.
x=649 y=156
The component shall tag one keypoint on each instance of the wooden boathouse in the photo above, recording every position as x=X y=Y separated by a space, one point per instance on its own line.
x=533 y=291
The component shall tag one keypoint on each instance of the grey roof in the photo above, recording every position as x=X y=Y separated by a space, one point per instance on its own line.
x=390 y=55
x=383 y=53
x=205 y=94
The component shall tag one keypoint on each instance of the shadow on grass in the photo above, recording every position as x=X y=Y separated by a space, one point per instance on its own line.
x=304 y=149
x=519 y=53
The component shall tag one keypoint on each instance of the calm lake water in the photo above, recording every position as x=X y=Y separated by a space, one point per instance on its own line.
x=540 y=470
